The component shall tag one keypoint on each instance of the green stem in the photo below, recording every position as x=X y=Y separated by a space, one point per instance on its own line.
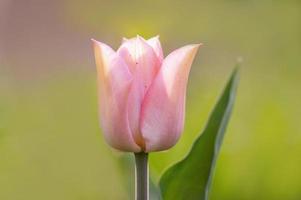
x=142 y=185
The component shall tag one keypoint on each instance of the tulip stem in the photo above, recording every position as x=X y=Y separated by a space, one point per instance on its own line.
x=142 y=176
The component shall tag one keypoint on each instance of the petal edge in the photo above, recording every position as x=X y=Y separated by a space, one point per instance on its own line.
x=114 y=81
x=163 y=109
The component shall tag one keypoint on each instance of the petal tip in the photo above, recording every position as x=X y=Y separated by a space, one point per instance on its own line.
x=196 y=46
x=93 y=41
x=156 y=37
x=96 y=43
x=124 y=39
x=140 y=38
x=102 y=46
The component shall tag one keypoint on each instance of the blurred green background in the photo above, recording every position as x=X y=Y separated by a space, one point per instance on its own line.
x=51 y=146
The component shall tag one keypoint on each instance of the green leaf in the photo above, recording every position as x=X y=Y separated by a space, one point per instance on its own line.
x=190 y=179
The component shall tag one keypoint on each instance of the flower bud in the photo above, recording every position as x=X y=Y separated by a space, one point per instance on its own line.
x=141 y=95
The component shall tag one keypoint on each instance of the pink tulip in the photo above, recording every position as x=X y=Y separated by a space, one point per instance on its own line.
x=142 y=96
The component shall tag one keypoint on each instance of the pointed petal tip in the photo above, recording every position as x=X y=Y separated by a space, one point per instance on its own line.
x=155 y=37
x=102 y=46
x=138 y=37
x=124 y=39
x=193 y=48
x=141 y=40
x=196 y=46
x=94 y=41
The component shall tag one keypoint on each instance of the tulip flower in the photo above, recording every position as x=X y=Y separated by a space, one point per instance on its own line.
x=142 y=94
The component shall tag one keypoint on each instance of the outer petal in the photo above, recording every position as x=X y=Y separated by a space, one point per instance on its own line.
x=144 y=65
x=163 y=109
x=114 y=81
x=155 y=43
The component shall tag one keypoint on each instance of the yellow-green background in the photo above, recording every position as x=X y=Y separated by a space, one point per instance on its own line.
x=51 y=146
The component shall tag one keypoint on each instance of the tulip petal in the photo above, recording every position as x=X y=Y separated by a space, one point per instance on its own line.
x=141 y=58
x=124 y=39
x=163 y=109
x=154 y=42
x=144 y=65
x=114 y=83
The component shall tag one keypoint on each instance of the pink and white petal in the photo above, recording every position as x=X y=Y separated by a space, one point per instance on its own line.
x=155 y=43
x=114 y=83
x=144 y=65
x=140 y=57
x=124 y=39
x=163 y=109
x=134 y=110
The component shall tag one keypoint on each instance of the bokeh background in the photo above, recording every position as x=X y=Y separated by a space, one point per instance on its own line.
x=51 y=146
